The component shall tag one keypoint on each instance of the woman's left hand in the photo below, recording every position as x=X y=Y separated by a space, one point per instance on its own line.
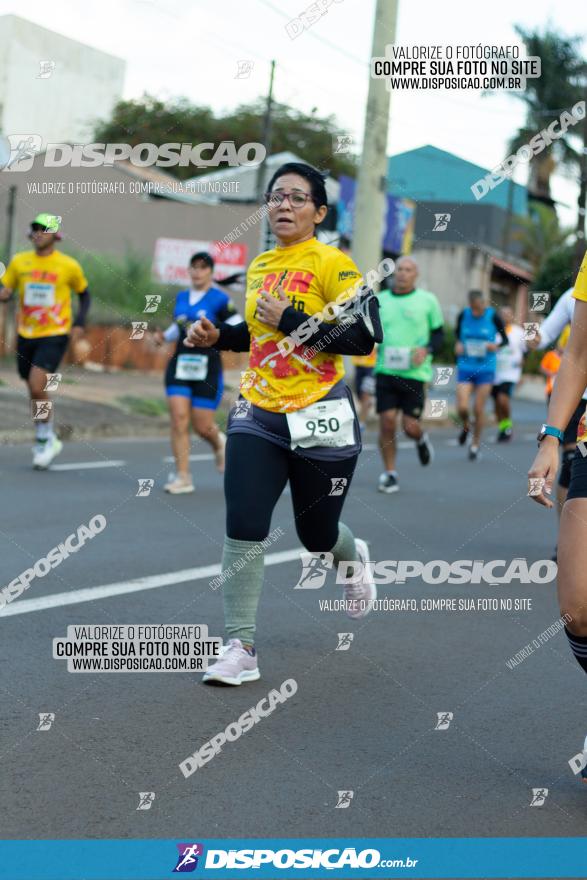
x=271 y=306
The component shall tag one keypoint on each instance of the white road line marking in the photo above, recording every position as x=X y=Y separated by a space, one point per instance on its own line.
x=203 y=456
x=86 y=465
x=105 y=591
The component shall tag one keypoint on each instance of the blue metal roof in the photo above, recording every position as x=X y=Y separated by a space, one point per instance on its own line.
x=428 y=174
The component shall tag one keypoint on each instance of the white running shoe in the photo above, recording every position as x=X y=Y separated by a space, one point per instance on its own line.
x=220 y=452
x=362 y=591
x=45 y=452
x=179 y=486
x=234 y=666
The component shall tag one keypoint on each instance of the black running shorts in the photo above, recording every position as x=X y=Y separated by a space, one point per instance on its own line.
x=578 y=484
x=573 y=426
x=393 y=392
x=45 y=352
x=503 y=388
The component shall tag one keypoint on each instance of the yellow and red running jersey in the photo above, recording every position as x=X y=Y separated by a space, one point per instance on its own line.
x=44 y=286
x=312 y=274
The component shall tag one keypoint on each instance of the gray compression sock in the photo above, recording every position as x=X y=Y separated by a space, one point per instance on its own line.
x=242 y=578
x=344 y=550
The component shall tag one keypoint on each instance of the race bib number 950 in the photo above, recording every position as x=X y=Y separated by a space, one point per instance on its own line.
x=326 y=423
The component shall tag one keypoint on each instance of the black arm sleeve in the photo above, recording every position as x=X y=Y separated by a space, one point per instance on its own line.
x=83 y=308
x=436 y=339
x=233 y=337
x=355 y=334
x=458 y=327
x=500 y=327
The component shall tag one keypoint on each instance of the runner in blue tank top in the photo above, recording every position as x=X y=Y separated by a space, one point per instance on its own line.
x=193 y=378
x=477 y=328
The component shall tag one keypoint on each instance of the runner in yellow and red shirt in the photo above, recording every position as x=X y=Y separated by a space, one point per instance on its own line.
x=295 y=420
x=569 y=388
x=43 y=280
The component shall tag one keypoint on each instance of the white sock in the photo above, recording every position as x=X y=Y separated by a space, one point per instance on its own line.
x=44 y=430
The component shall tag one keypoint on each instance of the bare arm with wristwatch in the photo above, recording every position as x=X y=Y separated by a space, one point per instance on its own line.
x=567 y=392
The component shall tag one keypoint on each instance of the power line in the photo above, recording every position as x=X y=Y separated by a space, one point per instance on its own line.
x=320 y=39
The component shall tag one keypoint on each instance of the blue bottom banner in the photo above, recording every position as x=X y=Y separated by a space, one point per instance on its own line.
x=273 y=858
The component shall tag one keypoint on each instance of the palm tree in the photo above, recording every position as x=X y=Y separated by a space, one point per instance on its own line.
x=540 y=235
x=559 y=87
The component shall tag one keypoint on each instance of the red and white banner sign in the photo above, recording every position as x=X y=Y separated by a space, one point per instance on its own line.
x=172 y=256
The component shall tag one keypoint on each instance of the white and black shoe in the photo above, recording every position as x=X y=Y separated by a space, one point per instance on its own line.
x=425 y=450
x=474 y=454
x=388 y=482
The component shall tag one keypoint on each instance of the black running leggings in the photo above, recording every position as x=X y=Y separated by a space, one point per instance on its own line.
x=255 y=476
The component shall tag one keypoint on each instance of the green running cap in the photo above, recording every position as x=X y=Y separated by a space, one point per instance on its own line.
x=51 y=222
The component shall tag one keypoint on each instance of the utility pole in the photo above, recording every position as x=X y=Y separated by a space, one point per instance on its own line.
x=507 y=226
x=8 y=312
x=371 y=191
x=265 y=242
x=266 y=137
x=9 y=245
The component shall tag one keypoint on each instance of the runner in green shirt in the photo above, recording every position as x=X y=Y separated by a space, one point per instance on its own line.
x=412 y=331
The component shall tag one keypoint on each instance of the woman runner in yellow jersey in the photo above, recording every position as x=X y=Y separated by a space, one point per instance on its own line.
x=294 y=420
x=570 y=385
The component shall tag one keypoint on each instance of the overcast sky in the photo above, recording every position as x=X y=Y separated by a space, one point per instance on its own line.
x=191 y=48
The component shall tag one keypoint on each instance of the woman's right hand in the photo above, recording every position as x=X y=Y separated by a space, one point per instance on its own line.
x=542 y=474
x=202 y=334
x=459 y=348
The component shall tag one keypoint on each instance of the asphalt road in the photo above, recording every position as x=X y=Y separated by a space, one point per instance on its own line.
x=362 y=720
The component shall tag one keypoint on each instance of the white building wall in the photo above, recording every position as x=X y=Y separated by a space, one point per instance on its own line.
x=83 y=87
x=451 y=272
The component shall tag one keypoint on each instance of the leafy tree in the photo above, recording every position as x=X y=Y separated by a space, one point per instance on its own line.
x=540 y=235
x=150 y=120
x=558 y=88
x=556 y=273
